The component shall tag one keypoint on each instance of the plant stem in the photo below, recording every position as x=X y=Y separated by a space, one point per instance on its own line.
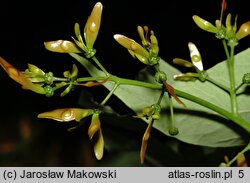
x=230 y=64
x=247 y=148
x=98 y=78
x=218 y=84
x=235 y=118
x=110 y=94
x=100 y=65
x=171 y=112
x=134 y=82
x=161 y=97
x=232 y=83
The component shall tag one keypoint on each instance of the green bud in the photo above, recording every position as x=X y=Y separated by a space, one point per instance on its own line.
x=141 y=34
x=48 y=78
x=156 y=116
x=74 y=72
x=154 y=49
x=203 y=75
x=78 y=33
x=49 y=92
x=159 y=76
x=90 y=52
x=173 y=131
x=153 y=60
x=246 y=78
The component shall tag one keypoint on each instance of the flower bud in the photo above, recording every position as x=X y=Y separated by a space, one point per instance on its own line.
x=142 y=36
x=49 y=92
x=48 y=78
x=135 y=49
x=20 y=78
x=93 y=25
x=246 y=78
x=243 y=31
x=173 y=131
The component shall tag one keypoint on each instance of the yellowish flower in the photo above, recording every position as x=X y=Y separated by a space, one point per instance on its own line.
x=19 y=77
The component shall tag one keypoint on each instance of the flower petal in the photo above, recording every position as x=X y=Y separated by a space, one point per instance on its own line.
x=62 y=46
x=95 y=125
x=19 y=77
x=195 y=56
x=145 y=141
x=182 y=62
x=93 y=25
x=66 y=114
x=133 y=46
x=243 y=31
x=205 y=25
x=99 y=145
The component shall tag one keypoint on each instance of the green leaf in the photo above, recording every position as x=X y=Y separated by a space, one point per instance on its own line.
x=197 y=124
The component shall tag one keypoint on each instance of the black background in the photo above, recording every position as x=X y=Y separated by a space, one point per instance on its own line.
x=25 y=25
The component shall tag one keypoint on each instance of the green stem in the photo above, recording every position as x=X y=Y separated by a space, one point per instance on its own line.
x=218 y=84
x=98 y=78
x=238 y=87
x=230 y=64
x=247 y=148
x=232 y=83
x=225 y=48
x=235 y=118
x=161 y=97
x=110 y=94
x=60 y=79
x=134 y=82
x=171 y=111
x=100 y=65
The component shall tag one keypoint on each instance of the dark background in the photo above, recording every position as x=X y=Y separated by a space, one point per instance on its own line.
x=25 y=25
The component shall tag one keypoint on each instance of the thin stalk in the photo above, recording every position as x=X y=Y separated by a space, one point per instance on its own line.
x=247 y=148
x=110 y=94
x=171 y=107
x=100 y=65
x=134 y=82
x=161 y=97
x=218 y=84
x=59 y=79
x=98 y=78
x=238 y=87
x=230 y=64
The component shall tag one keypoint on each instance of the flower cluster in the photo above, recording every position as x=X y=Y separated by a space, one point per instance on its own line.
x=228 y=31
